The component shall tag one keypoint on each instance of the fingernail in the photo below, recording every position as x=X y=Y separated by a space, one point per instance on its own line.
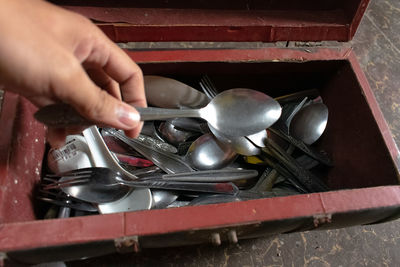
x=128 y=116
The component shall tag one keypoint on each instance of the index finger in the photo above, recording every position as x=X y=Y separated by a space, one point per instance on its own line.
x=127 y=73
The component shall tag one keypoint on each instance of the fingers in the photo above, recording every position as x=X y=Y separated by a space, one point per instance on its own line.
x=129 y=76
x=72 y=85
x=119 y=66
x=102 y=80
x=111 y=86
x=122 y=69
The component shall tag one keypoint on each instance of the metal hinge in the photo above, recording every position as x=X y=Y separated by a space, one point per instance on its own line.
x=127 y=244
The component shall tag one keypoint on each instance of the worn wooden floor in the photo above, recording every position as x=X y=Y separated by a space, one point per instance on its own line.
x=377 y=45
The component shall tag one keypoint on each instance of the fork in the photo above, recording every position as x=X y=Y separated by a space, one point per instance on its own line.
x=97 y=176
x=208 y=87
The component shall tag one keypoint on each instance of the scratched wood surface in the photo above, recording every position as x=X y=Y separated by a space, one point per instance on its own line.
x=377 y=45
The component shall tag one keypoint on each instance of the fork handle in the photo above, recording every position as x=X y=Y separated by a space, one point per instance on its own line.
x=216 y=188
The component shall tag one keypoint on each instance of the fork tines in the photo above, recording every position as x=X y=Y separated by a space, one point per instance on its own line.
x=74 y=179
x=208 y=87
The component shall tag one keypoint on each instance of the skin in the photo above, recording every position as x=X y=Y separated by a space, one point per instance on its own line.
x=51 y=55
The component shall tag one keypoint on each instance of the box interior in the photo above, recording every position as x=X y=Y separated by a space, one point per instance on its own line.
x=244 y=20
x=352 y=137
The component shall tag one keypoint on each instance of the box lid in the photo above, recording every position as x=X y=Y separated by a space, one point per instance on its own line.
x=223 y=20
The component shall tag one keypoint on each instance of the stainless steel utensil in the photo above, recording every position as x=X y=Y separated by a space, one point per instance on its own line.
x=98 y=185
x=309 y=123
x=82 y=206
x=223 y=175
x=207 y=153
x=169 y=93
x=168 y=162
x=305 y=177
x=156 y=144
x=308 y=150
x=163 y=198
x=173 y=135
x=235 y=112
x=102 y=157
x=131 y=202
x=238 y=143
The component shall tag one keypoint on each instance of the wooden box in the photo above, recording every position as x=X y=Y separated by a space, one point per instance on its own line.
x=365 y=178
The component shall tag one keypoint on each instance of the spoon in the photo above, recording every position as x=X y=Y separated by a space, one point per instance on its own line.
x=162 y=198
x=309 y=123
x=169 y=93
x=133 y=201
x=235 y=112
x=239 y=144
x=252 y=145
x=173 y=135
x=207 y=153
x=168 y=162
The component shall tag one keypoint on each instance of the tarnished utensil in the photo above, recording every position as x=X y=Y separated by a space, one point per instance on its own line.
x=169 y=93
x=235 y=112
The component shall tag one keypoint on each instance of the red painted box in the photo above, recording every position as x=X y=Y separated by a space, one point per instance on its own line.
x=364 y=180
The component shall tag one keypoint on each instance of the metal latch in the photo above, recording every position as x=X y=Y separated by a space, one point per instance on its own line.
x=127 y=244
x=322 y=219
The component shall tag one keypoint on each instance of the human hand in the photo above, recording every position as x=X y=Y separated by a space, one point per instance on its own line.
x=49 y=55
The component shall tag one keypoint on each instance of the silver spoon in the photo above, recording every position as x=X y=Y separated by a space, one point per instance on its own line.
x=309 y=123
x=239 y=144
x=207 y=153
x=235 y=112
x=252 y=145
x=162 y=198
x=173 y=135
x=169 y=93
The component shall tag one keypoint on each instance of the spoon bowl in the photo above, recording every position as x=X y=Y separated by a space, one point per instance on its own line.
x=169 y=93
x=173 y=135
x=207 y=153
x=162 y=198
x=239 y=144
x=309 y=123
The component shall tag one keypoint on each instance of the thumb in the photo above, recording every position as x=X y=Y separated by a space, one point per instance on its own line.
x=73 y=86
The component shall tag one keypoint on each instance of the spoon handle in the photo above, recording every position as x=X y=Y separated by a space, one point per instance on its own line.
x=151 y=113
x=310 y=181
x=322 y=158
x=64 y=115
x=217 y=188
x=168 y=162
x=224 y=175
